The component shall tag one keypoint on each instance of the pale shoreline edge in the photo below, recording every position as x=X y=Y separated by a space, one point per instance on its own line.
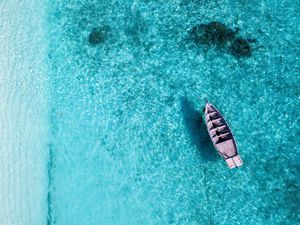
x=24 y=114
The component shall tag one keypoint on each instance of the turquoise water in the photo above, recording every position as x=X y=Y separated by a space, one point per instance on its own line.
x=24 y=113
x=127 y=144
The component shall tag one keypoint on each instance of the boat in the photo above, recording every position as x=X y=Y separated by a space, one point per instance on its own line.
x=221 y=136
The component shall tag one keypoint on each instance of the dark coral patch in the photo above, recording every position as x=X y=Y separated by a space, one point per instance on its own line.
x=217 y=34
x=240 y=48
x=213 y=33
x=99 y=34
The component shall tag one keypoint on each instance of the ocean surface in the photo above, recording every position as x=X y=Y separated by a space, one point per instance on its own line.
x=101 y=112
x=24 y=113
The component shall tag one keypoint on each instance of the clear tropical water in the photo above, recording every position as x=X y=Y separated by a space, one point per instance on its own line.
x=127 y=144
x=24 y=113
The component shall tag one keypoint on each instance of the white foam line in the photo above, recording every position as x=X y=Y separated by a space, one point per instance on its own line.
x=23 y=113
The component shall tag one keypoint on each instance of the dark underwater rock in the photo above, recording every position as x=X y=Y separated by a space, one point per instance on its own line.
x=213 y=33
x=99 y=34
x=217 y=34
x=240 y=48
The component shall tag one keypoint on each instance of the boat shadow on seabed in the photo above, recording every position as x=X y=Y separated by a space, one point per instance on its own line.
x=197 y=129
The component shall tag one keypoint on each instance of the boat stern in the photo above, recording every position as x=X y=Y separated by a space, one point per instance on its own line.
x=234 y=162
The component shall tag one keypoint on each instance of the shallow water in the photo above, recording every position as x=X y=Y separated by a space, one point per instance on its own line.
x=128 y=144
x=24 y=113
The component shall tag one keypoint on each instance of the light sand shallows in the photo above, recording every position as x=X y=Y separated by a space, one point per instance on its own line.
x=23 y=113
